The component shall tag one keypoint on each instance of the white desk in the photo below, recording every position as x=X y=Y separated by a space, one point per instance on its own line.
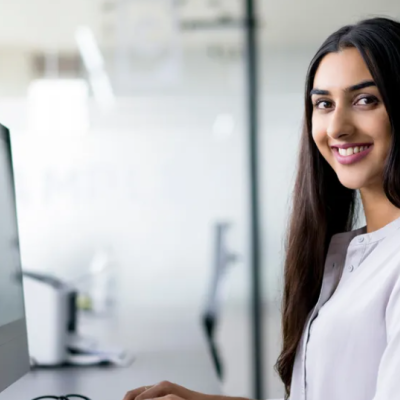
x=171 y=349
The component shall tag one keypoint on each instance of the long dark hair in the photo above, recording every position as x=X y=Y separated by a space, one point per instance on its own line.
x=322 y=206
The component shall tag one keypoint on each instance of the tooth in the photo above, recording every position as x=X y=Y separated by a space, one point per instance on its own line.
x=356 y=149
x=349 y=151
x=342 y=152
x=362 y=148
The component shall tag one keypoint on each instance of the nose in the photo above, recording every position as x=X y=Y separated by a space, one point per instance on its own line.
x=340 y=124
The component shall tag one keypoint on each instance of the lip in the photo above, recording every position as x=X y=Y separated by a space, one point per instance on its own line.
x=346 y=160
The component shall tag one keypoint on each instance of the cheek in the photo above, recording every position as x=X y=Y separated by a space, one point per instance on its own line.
x=318 y=134
x=317 y=127
x=379 y=129
x=320 y=139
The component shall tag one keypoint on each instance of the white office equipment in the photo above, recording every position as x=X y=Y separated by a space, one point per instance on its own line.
x=47 y=302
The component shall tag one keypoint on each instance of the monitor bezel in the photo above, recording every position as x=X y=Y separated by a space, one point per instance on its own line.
x=14 y=351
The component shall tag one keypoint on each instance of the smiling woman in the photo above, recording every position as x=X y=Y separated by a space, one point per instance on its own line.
x=340 y=330
x=341 y=305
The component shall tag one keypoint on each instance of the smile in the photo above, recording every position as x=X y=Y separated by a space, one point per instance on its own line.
x=353 y=150
x=351 y=155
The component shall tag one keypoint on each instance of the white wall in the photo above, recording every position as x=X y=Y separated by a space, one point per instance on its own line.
x=151 y=189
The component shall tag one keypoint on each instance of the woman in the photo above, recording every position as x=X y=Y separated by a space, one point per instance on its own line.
x=341 y=303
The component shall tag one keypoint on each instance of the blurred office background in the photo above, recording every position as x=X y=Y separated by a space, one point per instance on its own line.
x=130 y=142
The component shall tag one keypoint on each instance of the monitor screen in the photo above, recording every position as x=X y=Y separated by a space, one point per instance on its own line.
x=14 y=358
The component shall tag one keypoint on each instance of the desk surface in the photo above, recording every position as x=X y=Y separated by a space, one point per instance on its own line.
x=179 y=353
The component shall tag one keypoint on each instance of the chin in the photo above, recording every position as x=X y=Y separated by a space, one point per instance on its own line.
x=349 y=183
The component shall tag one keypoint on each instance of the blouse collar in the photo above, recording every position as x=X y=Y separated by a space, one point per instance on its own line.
x=360 y=235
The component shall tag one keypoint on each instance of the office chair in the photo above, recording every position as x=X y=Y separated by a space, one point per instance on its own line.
x=222 y=259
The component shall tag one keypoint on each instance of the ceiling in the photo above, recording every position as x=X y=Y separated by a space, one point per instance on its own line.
x=49 y=24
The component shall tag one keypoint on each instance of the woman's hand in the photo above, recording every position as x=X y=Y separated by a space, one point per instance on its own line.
x=165 y=391
x=169 y=391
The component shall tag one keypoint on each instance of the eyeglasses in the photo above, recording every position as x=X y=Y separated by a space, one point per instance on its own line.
x=67 y=397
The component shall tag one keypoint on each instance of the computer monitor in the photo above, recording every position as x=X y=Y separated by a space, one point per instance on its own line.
x=14 y=356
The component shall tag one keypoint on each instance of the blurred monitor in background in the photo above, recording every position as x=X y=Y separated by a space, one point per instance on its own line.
x=14 y=356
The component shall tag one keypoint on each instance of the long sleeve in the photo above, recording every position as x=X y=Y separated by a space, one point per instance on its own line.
x=388 y=381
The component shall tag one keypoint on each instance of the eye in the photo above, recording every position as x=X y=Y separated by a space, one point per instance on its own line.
x=367 y=100
x=322 y=104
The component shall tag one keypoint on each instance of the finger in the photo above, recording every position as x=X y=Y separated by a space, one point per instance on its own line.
x=163 y=389
x=132 y=394
x=171 y=397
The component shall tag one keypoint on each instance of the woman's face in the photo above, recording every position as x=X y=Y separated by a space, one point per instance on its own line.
x=348 y=111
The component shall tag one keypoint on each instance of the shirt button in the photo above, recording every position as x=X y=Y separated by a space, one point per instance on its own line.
x=351 y=268
x=360 y=239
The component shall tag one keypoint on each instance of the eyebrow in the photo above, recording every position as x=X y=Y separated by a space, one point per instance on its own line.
x=361 y=85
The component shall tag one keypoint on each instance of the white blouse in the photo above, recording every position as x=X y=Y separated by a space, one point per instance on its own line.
x=350 y=348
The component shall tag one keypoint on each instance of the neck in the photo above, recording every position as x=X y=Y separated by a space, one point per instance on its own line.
x=379 y=211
